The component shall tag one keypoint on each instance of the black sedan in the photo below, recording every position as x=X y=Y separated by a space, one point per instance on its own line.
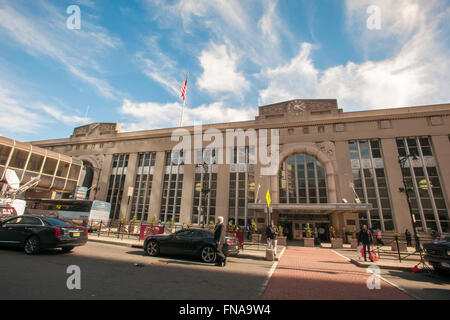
x=438 y=255
x=34 y=233
x=190 y=242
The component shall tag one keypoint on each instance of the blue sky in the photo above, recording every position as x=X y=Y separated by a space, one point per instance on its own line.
x=126 y=62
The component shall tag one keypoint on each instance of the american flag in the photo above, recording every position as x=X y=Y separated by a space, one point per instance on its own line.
x=183 y=88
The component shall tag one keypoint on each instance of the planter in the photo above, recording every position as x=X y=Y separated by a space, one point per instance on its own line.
x=281 y=241
x=308 y=242
x=337 y=243
x=401 y=244
x=256 y=238
x=354 y=243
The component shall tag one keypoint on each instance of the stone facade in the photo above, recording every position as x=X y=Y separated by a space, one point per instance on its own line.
x=312 y=127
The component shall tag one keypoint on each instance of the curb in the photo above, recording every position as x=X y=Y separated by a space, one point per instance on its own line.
x=364 y=265
x=381 y=277
x=117 y=243
x=270 y=273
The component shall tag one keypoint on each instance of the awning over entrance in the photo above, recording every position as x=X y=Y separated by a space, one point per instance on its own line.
x=311 y=208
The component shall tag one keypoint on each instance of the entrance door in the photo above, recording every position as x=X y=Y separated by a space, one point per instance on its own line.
x=322 y=230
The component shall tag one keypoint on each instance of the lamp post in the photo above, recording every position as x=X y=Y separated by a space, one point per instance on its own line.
x=204 y=190
x=406 y=190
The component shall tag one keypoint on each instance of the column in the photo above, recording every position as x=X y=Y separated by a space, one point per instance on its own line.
x=105 y=174
x=125 y=204
x=400 y=209
x=157 y=185
x=223 y=190
x=187 y=193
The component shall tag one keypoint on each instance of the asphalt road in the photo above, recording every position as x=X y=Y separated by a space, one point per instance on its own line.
x=109 y=272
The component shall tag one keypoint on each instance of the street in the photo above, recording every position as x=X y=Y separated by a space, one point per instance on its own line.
x=109 y=272
x=118 y=272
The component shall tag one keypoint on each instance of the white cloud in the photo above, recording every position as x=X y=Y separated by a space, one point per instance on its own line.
x=151 y=115
x=70 y=120
x=77 y=50
x=416 y=74
x=15 y=118
x=159 y=67
x=220 y=71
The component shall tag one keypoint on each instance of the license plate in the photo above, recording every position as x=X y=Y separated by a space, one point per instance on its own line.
x=445 y=264
x=75 y=234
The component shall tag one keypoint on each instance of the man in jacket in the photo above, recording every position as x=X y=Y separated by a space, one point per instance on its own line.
x=365 y=237
x=219 y=239
x=272 y=233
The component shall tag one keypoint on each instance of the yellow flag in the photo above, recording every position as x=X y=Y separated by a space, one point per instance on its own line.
x=268 y=198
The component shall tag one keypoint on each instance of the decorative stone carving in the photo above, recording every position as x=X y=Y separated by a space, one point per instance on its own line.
x=327 y=147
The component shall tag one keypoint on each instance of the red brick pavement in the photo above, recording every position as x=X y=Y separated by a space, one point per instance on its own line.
x=313 y=274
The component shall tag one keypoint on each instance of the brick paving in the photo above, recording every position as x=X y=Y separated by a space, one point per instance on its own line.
x=314 y=274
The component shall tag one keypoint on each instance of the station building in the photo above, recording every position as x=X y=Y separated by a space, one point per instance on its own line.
x=340 y=169
x=58 y=173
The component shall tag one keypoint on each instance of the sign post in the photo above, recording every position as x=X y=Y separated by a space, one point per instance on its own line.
x=268 y=207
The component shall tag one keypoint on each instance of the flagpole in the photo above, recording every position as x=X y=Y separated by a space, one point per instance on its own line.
x=182 y=112
x=184 y=99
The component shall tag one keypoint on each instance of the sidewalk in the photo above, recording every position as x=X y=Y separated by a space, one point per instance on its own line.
x=388 y=259
x=116 y=241
x=251 y=250
x=317 y=274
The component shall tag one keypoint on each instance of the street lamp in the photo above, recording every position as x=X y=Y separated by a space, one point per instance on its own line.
x=406 y=190
x=204 y=195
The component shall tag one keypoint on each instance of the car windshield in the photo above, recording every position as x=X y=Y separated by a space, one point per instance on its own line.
x=57 y=222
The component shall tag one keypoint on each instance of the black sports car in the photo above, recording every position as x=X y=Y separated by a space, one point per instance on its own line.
x=37 y=232
x=438 y=255
x=190 y=242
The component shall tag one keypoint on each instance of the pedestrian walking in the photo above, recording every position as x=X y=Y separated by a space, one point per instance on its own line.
x=379 y=238
x=272 y=234
x=219 y=240
x=365 y=238
x=316 y=236
x=249 y=230
x=408 y=238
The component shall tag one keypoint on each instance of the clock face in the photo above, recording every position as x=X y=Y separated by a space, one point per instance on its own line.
x=297 y=107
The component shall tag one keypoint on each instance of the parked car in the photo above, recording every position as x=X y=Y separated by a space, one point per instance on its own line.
x=7 y=212
x=34 y=233
x=190 y=242
x=437 y=254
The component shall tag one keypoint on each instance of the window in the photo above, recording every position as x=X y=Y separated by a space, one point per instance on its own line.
x=19 y=159
x=242 y=187
x=369 y=182
x=50 y=166
x=116 y=183
x=427 y=200
x=302 y=179
x=63 y=169
x=205 y=186
x=172 y=187
x=35 y=163
x=143 y=186
x=4 y=154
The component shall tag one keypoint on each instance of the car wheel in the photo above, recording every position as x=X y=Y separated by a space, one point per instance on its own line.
x=67 y=249
x=32 y=245
x=208 y=254
x=152 y=248
x=441 y=270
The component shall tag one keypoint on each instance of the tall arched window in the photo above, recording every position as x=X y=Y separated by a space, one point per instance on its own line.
x=302 y=179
